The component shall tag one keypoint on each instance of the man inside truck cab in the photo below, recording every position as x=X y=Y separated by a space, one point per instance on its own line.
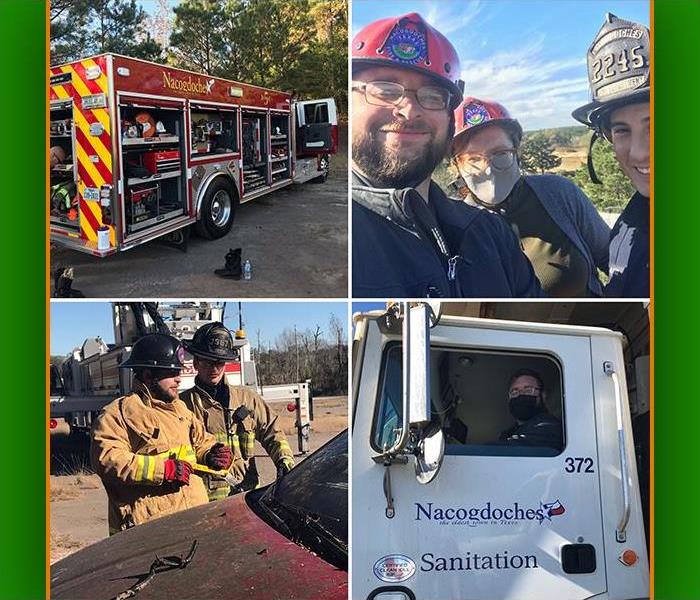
x=533 y=426
x=235 y=415
x=409 y=239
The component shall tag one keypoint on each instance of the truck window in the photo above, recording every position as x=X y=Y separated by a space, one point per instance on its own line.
x=316 y=113
x=487 y=403
x=213 y=132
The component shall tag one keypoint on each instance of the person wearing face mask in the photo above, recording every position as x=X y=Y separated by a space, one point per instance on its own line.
x=235 y=415
x=409 y=239
x=618 y=73
x=145 y=445
x=560 y=230
x=533 y=426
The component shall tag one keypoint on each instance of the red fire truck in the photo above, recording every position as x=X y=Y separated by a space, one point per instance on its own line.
x=139 y=150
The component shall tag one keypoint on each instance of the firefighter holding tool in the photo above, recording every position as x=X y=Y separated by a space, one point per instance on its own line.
x=147 y=447
x=235 y=415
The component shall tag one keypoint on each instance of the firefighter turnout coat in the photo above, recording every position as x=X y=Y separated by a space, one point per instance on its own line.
x=247 y=418
x=130 y=441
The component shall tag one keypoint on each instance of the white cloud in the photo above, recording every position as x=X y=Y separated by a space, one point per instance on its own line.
x=451 y=17
x=538 y=91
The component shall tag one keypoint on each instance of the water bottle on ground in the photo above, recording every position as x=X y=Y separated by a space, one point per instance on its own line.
x=247 y=270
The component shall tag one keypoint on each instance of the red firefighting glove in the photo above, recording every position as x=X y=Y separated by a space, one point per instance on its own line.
x=219 y=457
x=177 y=471
x=284 y=466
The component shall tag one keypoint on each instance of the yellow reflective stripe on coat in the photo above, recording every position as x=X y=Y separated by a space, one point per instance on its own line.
x=248 y=439
x=281 y=450
x=145 y=468
x=146 y=463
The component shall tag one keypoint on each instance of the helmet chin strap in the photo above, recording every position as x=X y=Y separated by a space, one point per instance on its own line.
x=589 y=161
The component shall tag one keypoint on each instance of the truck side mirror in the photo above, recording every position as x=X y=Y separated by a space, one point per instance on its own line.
x=431 y=451
x=430 y=448
x=416 y=364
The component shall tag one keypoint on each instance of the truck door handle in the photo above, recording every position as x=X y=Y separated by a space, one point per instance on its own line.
x=621 y=531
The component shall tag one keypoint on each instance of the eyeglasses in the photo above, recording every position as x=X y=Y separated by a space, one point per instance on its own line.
x=529 y=390
x=390 y=93
x=473 y=164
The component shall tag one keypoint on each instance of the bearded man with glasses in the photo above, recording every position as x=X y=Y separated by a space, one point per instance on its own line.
x=409 y=239
x=560 y=230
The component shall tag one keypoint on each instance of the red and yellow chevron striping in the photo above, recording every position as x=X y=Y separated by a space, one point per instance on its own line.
x=92 y=152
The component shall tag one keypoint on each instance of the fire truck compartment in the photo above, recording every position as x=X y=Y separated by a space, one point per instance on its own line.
x=279 y=147
x=153 y=155
x=63 y=206
x=213 y=131
x=255 y=152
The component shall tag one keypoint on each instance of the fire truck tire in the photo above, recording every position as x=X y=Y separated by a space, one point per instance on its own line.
x=218 y=210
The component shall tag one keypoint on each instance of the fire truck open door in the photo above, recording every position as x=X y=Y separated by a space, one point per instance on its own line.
x=317 y=127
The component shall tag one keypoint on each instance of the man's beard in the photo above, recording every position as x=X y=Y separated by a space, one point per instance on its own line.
x=164 y=395
x=385 y=169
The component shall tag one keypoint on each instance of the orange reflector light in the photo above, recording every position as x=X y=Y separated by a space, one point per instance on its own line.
x=53 y=423
x=291 y=407
x=629 y=558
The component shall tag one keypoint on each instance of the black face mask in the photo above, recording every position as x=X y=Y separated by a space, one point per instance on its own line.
x=524 y=407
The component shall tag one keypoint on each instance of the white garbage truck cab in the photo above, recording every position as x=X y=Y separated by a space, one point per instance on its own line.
x=450 y=503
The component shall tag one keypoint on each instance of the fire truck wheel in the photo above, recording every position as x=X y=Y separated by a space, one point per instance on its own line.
x=218 y=209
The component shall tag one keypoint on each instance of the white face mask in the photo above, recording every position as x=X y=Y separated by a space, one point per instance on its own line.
x=491 y=187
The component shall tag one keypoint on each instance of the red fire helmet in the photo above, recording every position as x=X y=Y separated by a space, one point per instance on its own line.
x=411 y=43
x=473 y=114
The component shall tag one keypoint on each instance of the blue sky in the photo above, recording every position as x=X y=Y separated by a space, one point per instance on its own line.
x=73 y=322
x=530 y=55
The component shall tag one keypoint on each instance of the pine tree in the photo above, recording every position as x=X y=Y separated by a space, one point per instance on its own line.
x=81 y=28
x=537 y=153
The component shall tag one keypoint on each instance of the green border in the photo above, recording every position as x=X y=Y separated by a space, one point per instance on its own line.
x=677 y=299
x=677 y=281
x=22 y=265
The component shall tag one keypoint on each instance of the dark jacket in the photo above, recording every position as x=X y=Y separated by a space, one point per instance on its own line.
x=629 y=252
x=392 y=257
x=541 y=430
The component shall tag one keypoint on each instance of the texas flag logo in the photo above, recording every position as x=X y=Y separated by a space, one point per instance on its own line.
x=551 y=509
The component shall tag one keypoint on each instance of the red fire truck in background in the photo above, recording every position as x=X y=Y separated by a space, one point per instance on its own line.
x=139 y=150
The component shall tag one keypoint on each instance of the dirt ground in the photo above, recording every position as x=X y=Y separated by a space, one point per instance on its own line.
x=296 y=239
x=78 y=500
x=571 y=159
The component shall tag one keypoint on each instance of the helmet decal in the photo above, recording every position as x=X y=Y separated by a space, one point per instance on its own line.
x=410 y=42
x=618 y=63
x=181 y=354
x=618 y=59
x=407 y=46
x=475 y=114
